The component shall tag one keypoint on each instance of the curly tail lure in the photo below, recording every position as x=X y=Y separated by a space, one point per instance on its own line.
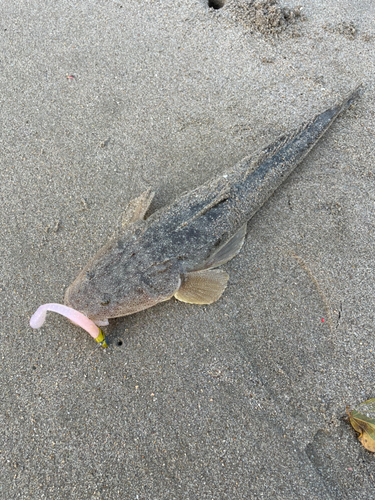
x=79 y=319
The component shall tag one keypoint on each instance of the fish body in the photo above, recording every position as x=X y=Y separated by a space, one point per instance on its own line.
x=177 y=250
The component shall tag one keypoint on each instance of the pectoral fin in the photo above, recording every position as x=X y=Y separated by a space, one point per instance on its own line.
x=137 y=208
x=227 y=251
x=202 y=287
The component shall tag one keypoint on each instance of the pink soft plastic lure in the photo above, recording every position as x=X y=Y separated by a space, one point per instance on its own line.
x=79 y=319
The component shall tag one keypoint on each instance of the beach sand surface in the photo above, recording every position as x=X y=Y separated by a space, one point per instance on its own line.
x=241 y=399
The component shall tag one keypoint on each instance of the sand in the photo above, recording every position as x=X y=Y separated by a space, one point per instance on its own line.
x=241 y=399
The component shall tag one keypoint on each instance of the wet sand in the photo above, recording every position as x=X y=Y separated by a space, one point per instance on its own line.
x=241 y=399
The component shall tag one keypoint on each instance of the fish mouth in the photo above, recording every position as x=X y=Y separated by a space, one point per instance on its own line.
x=75 y=299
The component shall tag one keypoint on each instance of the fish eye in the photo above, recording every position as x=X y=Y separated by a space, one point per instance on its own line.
x=90 y=274
x=106 y=299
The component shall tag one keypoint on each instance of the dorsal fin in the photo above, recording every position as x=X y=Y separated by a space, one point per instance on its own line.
x=137 y=208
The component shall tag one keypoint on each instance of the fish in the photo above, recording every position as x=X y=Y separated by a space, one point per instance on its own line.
x=178 y=250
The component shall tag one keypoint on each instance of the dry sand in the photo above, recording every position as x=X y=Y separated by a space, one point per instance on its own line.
x=243 y=399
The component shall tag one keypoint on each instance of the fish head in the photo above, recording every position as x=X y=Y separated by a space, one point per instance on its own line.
x=121 y=280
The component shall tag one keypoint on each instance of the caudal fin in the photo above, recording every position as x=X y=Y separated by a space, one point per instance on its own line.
x=348 y=101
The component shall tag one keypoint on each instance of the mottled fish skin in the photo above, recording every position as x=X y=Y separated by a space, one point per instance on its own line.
x=174 y=250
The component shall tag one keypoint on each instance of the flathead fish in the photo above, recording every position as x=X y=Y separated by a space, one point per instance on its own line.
x=176 y=251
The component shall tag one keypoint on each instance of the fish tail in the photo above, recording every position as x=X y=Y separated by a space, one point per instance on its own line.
x=279 y=159
x=319 y=125
x=350 y=98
